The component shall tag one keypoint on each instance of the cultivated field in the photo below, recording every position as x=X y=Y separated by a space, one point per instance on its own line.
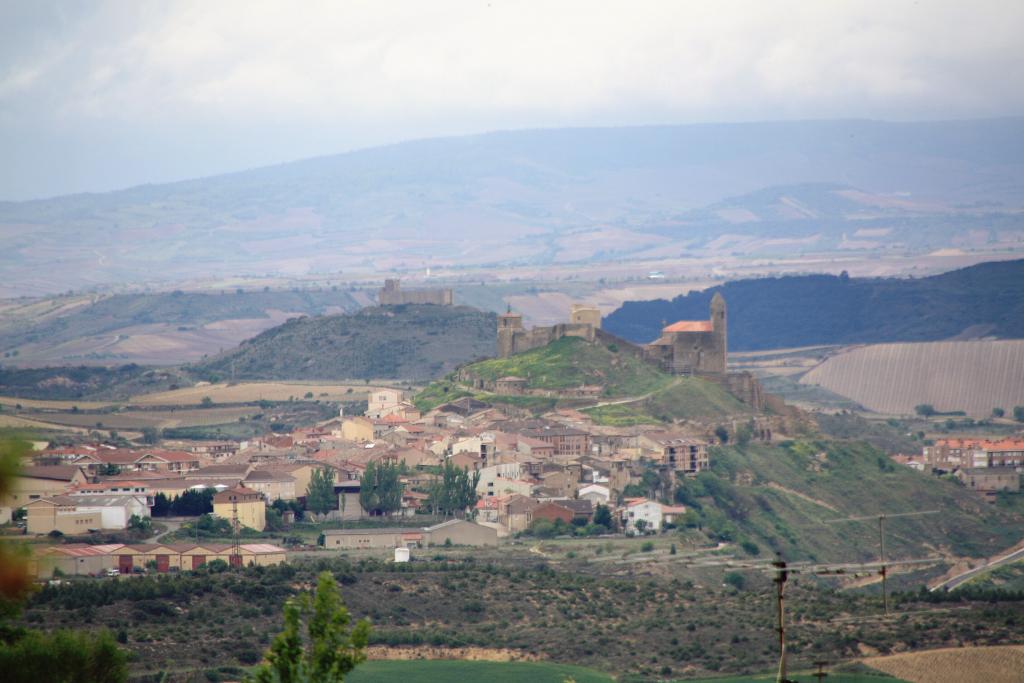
x=248 y=392
x=442 y=671
x=1002 y=664
x=135 y=420
x=973 y=376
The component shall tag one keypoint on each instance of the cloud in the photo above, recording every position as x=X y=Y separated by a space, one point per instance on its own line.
x=393 y=70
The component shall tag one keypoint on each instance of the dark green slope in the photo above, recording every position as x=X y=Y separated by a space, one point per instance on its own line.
x=788 y=312
x=798 y=485
x=394 y=342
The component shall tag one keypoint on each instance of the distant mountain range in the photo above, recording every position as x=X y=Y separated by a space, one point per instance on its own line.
x=786 y=312
x=549 y=197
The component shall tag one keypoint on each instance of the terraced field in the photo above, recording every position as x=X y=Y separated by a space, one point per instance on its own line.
x=973 y=376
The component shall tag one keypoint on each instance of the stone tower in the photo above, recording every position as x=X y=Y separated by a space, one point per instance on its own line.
x=509 y=324
x=582 y=314
x=719 y=331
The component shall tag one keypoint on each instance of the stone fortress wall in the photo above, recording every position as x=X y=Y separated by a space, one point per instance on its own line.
x=392 y=294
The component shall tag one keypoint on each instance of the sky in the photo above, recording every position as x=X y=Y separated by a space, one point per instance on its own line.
x=97 y=95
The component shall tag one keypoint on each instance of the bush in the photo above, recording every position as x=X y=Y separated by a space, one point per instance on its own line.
x=647 y=547
x=736 y=580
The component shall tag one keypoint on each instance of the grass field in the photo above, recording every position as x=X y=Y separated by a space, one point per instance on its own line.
x=138 y=419
x=247 y=392
x=973 y=376
x=1003 y=664
x=443 y=670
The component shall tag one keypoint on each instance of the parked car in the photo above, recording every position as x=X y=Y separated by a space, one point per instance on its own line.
x=113 y=571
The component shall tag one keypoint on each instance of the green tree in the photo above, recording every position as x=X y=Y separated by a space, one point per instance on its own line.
x=63 y=657
x=150 y=435
x=1018 y=413
x=380 y=490
x=206 y=402
x=998 y=412
x=603 y=516
x=925 y=410
x=329 y=649
x=320 y=492
x=455 y=492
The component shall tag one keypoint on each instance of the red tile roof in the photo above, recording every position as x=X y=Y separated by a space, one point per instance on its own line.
x=689 y=326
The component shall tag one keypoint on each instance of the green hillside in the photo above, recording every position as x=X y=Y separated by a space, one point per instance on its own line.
x=390 y=342
x=572 y=362
x=443 y=670
x=797 y=485
x=633 y=391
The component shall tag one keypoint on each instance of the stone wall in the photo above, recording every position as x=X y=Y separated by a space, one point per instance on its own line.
x=392 y=294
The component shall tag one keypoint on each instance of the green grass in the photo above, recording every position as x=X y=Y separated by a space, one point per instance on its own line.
x=443 y=671
x=572 y=362
x=687 y=398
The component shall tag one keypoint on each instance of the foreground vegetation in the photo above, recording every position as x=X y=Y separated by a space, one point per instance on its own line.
x=657 y=622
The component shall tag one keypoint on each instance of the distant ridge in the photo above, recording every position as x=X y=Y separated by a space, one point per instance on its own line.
x=785 y=312
x=410 y=342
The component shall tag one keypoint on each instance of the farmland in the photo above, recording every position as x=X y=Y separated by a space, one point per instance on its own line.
x=250 y=392
x=954 y=665
x=973 y=376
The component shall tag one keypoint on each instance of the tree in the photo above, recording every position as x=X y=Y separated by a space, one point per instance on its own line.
x=925 y=410
x=193 y=503
x=380 y=490
x=206 y=402
x=150 y=435
x=161 y=506
x=329 y=649
x=722 y=433
x=144 y=525
x=1018 y=413
x=65 y=656
x=998 y=412
x=603 y=516
x=455 y=492
x=320 y=492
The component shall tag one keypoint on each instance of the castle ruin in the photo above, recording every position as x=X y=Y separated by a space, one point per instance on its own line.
x=686 y=347
x=392 y=294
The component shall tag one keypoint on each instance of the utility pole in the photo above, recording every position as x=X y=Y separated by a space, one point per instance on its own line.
x=884 y=570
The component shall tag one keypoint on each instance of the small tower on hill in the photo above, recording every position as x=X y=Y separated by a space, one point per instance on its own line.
x=509 y=324
x=719 y=331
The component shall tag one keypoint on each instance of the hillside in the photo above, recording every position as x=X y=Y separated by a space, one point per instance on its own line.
x=152 y=329
x=788 y=312
x=970 y=376
x=572 y=362
x=633 y=392
x=548 y=197
x=398 y=342
x=797 y=485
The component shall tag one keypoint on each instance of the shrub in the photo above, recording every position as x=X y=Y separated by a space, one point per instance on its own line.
x=647 y=547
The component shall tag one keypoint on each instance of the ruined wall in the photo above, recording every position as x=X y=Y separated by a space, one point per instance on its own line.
x=517 y=340
x=581 y=314
x=392 y=294
x=743 y=386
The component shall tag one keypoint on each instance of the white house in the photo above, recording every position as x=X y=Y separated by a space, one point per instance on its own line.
x=595 y=493
x=652 y=514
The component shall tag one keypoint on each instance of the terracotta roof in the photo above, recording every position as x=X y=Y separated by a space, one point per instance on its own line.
x=690 y=326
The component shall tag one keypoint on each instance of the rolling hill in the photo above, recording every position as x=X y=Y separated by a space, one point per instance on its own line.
x=542 y=197
x=633 y=392
x=414 y=342
x=150 y=328
x=788 y=312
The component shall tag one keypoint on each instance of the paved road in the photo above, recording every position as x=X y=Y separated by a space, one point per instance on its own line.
x=988 y=566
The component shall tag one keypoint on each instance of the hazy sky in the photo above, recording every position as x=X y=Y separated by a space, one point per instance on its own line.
x=100 y=95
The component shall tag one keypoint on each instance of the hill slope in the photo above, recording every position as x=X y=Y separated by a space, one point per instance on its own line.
x=894 y=378
x=987 y=299
x=633 y=392
x=397 y=342
x=153 y=329
x=541 y=196
x=798 y=484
